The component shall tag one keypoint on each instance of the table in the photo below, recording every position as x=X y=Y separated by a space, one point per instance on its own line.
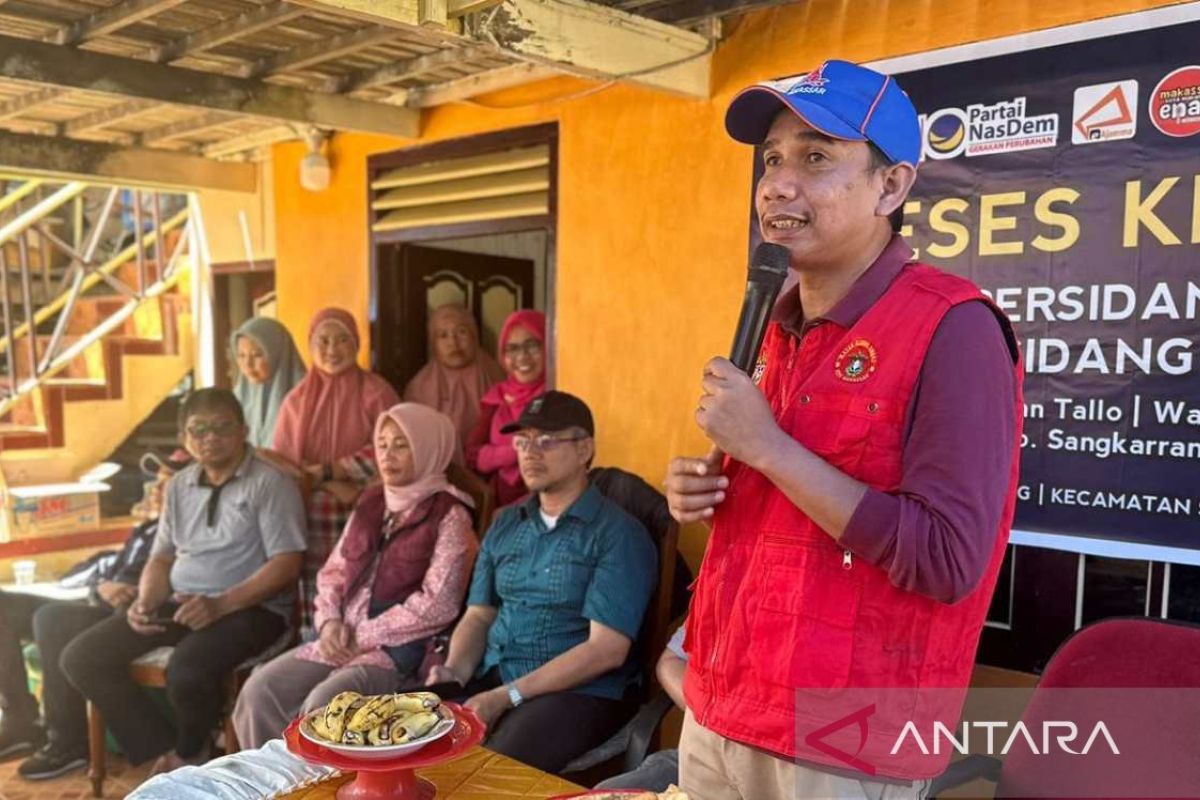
x=478 y=775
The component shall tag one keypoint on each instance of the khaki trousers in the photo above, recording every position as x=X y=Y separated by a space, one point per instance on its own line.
x=712 y=767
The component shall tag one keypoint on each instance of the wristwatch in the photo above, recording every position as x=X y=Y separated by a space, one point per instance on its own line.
x=514 y=694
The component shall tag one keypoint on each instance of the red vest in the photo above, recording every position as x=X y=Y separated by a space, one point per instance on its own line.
x=781 y=613
x=404 y=556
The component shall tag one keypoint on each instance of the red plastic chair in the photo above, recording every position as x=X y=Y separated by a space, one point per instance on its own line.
x=1141 y=678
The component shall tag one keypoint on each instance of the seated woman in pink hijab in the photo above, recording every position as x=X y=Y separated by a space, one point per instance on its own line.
x=323 y=437
x=489 y=452
x=397 y=577
x=458 y=372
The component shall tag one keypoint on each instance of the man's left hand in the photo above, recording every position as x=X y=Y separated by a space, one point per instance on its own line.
x=490 y=705
x=197 y=611
x=735 y=415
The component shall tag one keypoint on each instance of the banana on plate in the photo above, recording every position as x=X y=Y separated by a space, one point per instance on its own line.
x=337 y=712
x=371 y=713
x=413 y=726
x=386 y=719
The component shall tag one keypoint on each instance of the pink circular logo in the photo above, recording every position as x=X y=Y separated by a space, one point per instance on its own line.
x=1175 y=103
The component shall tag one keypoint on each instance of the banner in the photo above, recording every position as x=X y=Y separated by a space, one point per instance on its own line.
x=1061 y=173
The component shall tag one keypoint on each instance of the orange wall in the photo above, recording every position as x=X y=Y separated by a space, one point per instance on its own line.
x=652 y=207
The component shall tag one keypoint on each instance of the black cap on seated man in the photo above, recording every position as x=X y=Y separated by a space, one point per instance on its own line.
x=554 y=411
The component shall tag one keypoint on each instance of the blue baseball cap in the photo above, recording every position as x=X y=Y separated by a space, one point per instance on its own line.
x=839 y=99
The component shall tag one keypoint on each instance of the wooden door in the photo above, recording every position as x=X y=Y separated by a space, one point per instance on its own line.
x=414 y=280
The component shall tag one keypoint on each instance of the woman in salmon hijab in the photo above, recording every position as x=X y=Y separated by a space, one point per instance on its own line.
x=324 y=436
x=458 y=372
x=489 y=452
x=397 y=577
x=269 y=367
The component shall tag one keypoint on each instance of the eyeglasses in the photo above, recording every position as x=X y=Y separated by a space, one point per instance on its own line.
x=222 y=429
x=531 y=348
x=542 y=443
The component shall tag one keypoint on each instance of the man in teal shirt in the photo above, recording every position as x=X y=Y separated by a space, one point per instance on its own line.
x=544 y=651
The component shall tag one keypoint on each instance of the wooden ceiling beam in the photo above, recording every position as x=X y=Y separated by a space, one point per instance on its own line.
x=111 y=20
x=94 y=162
x=186 y=127
x=27 y=102
x=67 y=68
x=576 y=36
x=107 y=116
x=475 y=85
x=251 y=141
x=598 y=41
x=321 y=50
x=269 y=15
x=405 y=70
x=404 y=14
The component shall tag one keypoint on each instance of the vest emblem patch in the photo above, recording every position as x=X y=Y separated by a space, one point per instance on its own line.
x=857 y=362
x=759 y=369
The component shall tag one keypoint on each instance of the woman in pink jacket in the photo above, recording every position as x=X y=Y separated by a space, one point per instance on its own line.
x=397 y=577
x=523 y=355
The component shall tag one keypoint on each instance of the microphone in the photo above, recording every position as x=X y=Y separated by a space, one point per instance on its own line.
x=768 y=271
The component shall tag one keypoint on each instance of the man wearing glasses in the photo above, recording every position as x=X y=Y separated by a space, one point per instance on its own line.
x=543 y=652
x=219 y=587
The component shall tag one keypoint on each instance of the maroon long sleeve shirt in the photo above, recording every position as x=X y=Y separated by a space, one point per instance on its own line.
x=935 y=534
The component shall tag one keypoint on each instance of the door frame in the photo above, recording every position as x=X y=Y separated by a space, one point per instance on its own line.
x=222 y=326
x=509 y=139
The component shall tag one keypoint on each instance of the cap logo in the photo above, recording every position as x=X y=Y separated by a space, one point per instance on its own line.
x=811 y=83
x=535 y=406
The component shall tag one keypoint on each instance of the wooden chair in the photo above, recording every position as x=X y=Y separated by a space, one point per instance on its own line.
x=150 y=671
x=481 y=492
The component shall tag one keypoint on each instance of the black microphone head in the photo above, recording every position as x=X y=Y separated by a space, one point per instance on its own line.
x=770 y=263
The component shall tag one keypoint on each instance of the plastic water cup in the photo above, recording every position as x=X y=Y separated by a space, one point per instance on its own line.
x=24 y=572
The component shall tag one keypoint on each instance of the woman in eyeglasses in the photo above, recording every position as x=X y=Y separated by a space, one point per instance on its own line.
x=522 y=353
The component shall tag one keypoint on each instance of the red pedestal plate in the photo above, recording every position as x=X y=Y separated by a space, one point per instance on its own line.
x=392 y=778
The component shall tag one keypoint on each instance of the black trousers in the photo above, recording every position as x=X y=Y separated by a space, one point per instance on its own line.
x=97 y=663
x=546 y=732
x=16 y=624
x=55 y=625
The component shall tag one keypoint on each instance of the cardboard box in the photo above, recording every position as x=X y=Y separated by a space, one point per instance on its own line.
x=32 y=511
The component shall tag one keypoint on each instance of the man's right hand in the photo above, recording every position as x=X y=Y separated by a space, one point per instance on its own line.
x=139 y=616
x=441 y=673
x=695 y=486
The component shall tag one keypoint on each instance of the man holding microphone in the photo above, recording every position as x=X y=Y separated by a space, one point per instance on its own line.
x=861 y=508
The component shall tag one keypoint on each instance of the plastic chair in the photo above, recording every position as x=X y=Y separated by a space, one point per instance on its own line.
x=636 y=738
x=1120 y=655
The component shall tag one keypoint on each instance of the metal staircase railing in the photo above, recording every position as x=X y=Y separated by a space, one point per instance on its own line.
x=34 y=345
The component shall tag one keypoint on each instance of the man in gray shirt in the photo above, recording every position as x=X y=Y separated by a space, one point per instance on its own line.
x=219 y=587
